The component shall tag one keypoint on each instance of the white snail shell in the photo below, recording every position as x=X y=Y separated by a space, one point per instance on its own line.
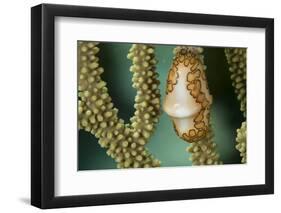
x=188 y=99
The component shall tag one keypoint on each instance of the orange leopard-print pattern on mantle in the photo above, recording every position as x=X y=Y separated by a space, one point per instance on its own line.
x=193 y=78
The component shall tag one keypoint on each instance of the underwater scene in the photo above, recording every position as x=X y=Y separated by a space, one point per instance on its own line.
x=158 y=105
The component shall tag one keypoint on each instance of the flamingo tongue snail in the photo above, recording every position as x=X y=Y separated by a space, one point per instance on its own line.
x=188 y=99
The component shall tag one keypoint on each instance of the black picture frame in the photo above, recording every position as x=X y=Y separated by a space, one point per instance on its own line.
x=43 y=117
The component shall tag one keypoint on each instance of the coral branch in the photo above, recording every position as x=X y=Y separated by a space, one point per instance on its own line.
x=241 y=140
x=147 y=100
x=236 y=58
x=204 y=152
x=125 y=143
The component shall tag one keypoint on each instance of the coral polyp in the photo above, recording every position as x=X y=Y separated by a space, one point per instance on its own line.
x=125 y=143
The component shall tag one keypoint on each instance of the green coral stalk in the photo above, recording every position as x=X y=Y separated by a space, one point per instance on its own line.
x=204 y=152
x=241 y=140
x=125 y=143
x=236 y=58
x=147 y=100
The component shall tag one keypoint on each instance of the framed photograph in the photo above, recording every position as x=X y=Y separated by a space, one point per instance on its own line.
x=139 y=106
